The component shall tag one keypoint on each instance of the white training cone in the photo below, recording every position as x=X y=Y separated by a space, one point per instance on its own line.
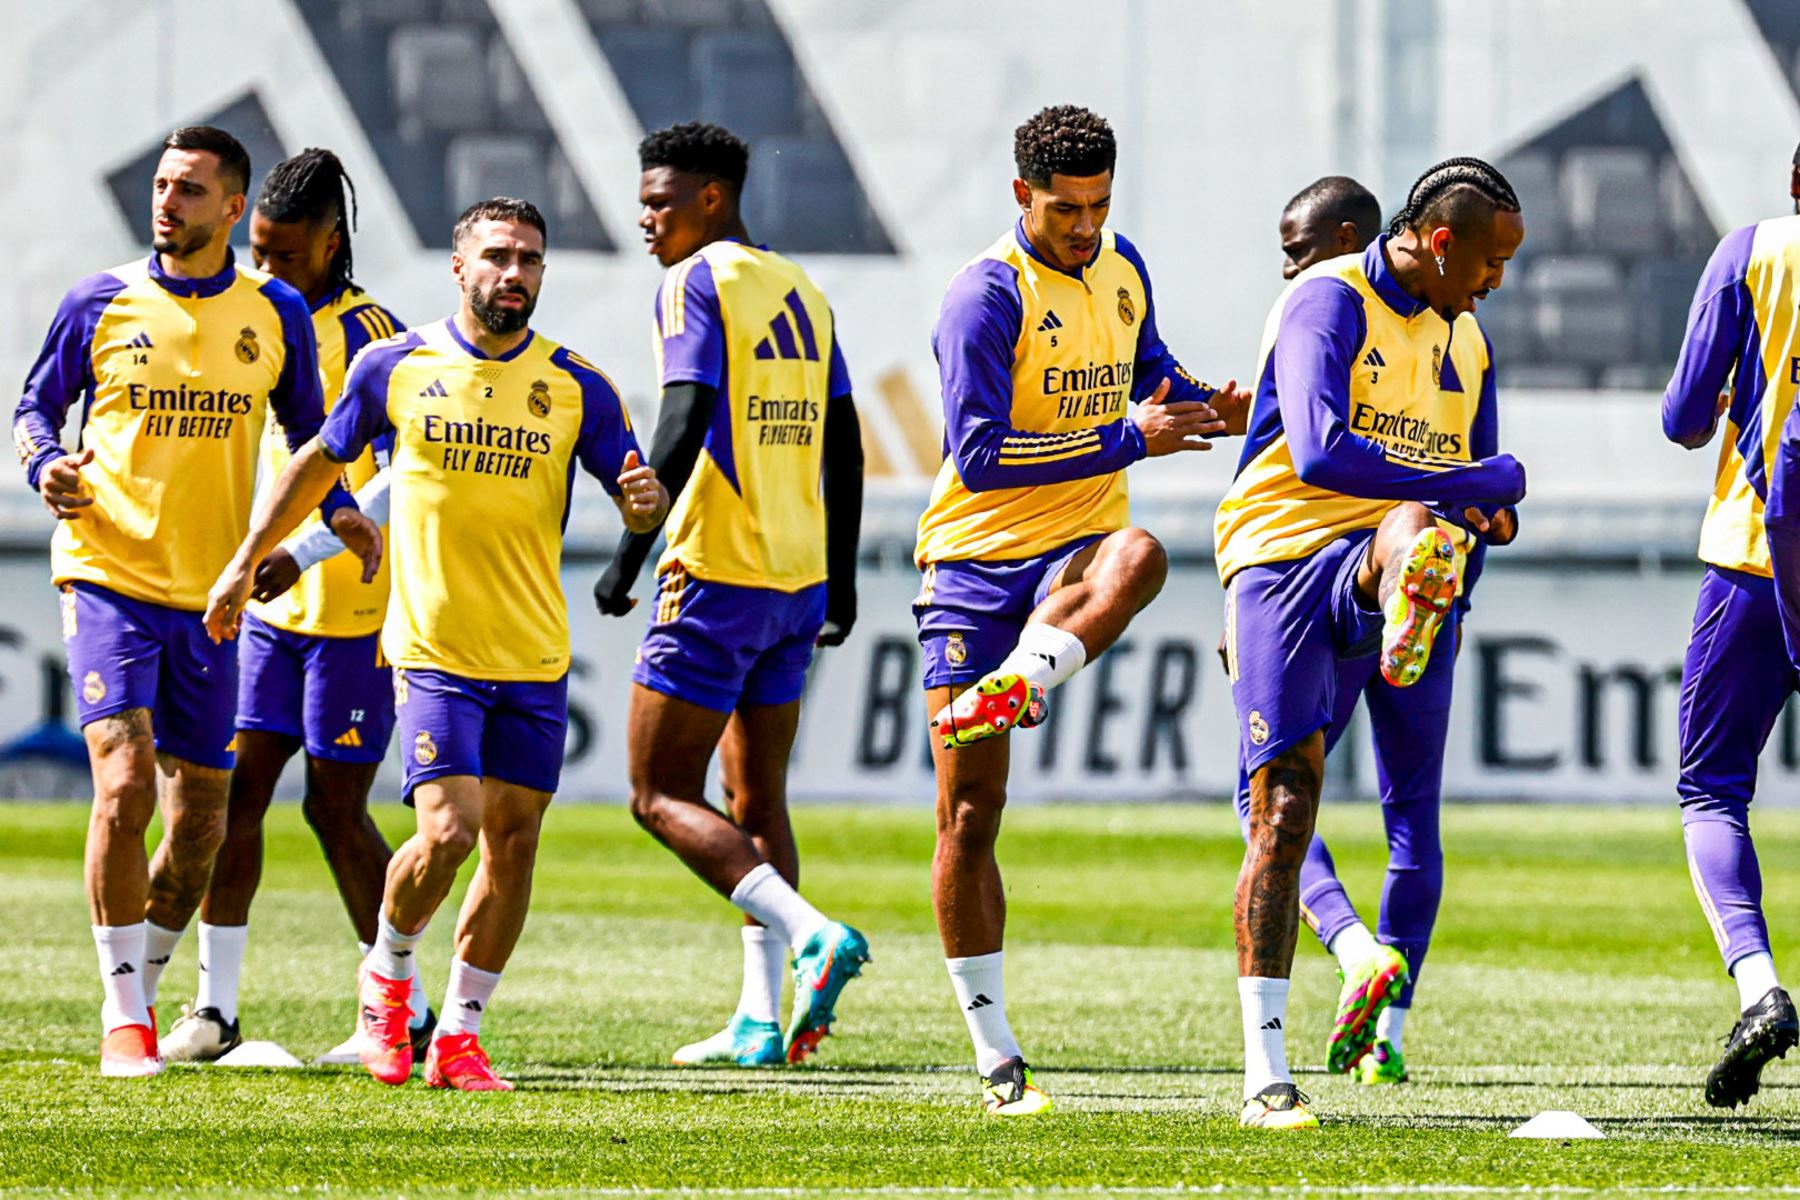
x=259 y=1054
x=1557 y=1125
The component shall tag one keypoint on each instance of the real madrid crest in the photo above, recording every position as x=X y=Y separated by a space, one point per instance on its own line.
x=93 y=688
x=538 y=400
x=956 y=652
x=1259 y=729
x=1127 y=313
x=424 y=749
x=247 y=349
x=1437 y=364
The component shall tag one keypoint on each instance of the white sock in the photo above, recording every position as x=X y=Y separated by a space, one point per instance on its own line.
x=981 y=994
x=1755 y=975
x=765 y=961
x=421 y=1003
x=392 y=955
x=1390 y=1023
x=159 y=948
x=1264 y=1004
x=221 y=962
x=1045 y=655
x=466 y=998
x=1352 y=947
x=121 y=949
x=768 y=898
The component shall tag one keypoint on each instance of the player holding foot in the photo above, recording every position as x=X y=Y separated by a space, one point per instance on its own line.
x=1408 y=726
x=489 y=422
x=181 y=356
x=1030 y=565
x=758 y=440
x=1329 y=540
x=1742 y=338
x=310 y=671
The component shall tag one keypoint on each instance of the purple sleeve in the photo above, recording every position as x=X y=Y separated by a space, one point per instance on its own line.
x=690 y=326
x=1321 y=330
x=1718 y=322
x=606 y=437
x=360 y=417
x=838 y=383
x=63 y=370
x=1781 y=516
x=1155 y=361
x=298 y=397
x=1484 y=442
x=973 y=340
x=364 y=324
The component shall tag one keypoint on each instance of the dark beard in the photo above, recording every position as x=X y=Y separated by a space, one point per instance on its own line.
x=191 y=240
x=501 y=320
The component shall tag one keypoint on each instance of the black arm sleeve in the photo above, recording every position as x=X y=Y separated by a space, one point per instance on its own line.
x=843 y=483
x=687 y=412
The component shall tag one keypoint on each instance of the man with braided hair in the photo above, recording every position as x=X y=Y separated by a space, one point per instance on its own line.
x=1408 y=726
x=1330 y=544
x=1031 y=566
x=1742 y=337
x=310 y=671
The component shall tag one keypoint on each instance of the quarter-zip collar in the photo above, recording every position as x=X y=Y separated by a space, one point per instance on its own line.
x=194 y=289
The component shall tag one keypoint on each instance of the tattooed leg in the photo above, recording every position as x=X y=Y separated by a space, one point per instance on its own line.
x=122 y=756
x=193 y=812
x=1284 y=803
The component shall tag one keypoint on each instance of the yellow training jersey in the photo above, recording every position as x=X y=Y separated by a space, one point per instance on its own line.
x=179 y=374
x=1743 y=334
x=1038 y=367
x=749 y=324
x=331 y=600
x=1350 y=417
x=484 y=457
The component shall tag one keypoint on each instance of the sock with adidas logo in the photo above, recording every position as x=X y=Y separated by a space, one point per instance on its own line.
x=392 y=955
x=981 y=994
x=466 y=998
x=159 y=948
x=121 y=949
x=221 y=964
x=1264 y=1005
x=1045 y=655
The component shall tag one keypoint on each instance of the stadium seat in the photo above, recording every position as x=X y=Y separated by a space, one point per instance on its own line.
x=1690 y=230
x=466 y=12
x=1583 y=315
x=652 y=67
x=515 y=103
x=694 y=14
x=573 y=221
x=440 y=79
x=802 y=195
x=747 y=82
x=609 y=12
x=1612 y=200
x=354 y=13
x=1507 y=318
x=478 y=166
x=1633 y=377
x=1533 y=176
x=1661 y=291
x=1558 y=376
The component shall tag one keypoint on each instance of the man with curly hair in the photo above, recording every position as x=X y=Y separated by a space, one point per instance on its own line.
x=1031 y=567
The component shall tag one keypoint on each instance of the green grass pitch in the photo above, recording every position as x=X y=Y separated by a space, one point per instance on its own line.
x=1572 y=970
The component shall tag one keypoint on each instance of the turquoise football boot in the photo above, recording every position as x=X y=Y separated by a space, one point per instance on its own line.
x=830 y=959
x=742 y=1043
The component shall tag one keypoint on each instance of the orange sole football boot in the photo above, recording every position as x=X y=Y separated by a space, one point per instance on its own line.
x=456 y=1060
x=1416 y=608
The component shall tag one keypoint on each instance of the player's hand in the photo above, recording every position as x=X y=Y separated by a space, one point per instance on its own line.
x=225 y=602
x=1167 y=427
x=642 y=498
x=274 y=575
x=60 y=485
x=611 y=593
x=1232 y=403
x=840 y=614
x=361 y=536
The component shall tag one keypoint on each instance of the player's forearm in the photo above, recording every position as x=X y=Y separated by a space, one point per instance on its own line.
x=681 y=425
x=319 y=543
x=994 y=457
x=38 y=439
x=309 y=476
x=1368 y=473
x=843 y=487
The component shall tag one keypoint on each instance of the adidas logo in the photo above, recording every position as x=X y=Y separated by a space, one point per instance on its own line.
x=437 y=388
x=352 y=739
x=1373 y=358
x=403 y=954
x=980 y=1001
x=160 y=962
x=124 y=969
x=1273 y=1023
x=141 y=342
x=1048 y=658
x=472 y=1005
x=1051 y=321
x=782 y=332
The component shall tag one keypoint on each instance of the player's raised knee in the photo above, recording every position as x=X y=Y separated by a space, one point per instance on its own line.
x=447 y=837
x=1136 y=563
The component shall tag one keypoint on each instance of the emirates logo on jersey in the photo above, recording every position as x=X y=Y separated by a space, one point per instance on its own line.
x=247 y=349
x=538 y=399
x=1127 y=313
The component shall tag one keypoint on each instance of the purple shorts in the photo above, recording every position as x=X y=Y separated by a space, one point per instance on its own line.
x=510 y=731
x=1734 y=685
x=718 y=645
x=1287 y=626
x=126 y=653
x=336 y=694
x=970 y=611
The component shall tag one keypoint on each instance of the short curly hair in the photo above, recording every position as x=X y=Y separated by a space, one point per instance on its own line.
x=698 y=148
x=1064 y=139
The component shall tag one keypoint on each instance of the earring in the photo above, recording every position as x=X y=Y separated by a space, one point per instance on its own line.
x=1440 y=263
